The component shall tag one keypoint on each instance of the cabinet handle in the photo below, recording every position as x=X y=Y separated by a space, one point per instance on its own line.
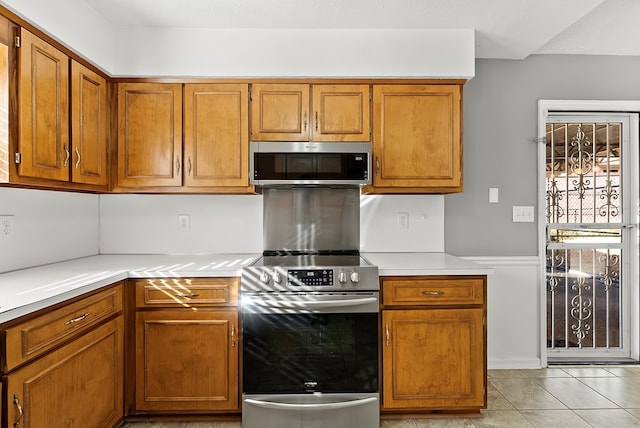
x=187 y=295
x=377 y=165
x=386 y=333
x=80 y=318
x=432 y=293
x=189 y=166
x=177 y=165
x=316 y=121
x=305 y=121
x=77 y=154
x=16 y=401
x=233 y=335
x=66 y=159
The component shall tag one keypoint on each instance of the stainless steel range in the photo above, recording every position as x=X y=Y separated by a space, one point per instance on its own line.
x=310 y=316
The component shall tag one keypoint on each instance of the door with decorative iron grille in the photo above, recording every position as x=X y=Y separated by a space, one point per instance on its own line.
x=591 y=215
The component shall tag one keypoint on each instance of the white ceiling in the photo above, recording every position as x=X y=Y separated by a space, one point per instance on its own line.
x=504 y=28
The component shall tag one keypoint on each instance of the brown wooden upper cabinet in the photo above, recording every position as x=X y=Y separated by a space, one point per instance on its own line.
x=216 y=134
x=417 y=139
x=149 y=134
x=304 y=112
x=45 y=148
x=215 y=152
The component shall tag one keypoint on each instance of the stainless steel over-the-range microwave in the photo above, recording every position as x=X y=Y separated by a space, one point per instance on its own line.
x=310 y=163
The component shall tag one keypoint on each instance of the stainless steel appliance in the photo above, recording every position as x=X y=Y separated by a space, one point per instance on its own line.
x=309 y=311
x=304 y=163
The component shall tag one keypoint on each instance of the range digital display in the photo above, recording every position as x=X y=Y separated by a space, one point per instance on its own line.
x=310 y=277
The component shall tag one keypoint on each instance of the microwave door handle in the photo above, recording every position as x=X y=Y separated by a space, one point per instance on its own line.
x=319 y=304
x=315 y=406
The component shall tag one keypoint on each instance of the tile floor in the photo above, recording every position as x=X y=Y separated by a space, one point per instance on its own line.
x=572 y=397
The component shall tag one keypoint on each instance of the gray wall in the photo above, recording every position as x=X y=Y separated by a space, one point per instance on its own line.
x=500 y=125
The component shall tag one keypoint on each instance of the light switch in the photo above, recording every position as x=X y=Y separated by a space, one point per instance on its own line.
x=523 y=214
x=493 y=195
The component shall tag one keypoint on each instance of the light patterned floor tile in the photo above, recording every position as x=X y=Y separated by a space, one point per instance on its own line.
x=575 y=394
x=554 y=418
x=502 y=419
x=624 y=371
x=609 y=418
x=526 y=394
x=625 y=392
x=548 y=372
x=445 y=423
x=588 y=372
x=506 y=373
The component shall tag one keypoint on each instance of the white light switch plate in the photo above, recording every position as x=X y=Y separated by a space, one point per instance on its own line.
x=493 y=195
x=523 y=214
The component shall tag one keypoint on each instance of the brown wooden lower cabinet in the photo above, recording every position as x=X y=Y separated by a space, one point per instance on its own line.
x=186 y=345
x=77 y=385
x=186 y=360
x=433 y=344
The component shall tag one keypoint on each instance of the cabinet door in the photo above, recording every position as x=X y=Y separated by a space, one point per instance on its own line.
x=89 y=126
x=216 y=140
x=187 y=360
x=280 y=112
x=417 y=137
x=433 y=359
x=78 y=385
x=149 y=134
x=43 y=140
x=340 y=113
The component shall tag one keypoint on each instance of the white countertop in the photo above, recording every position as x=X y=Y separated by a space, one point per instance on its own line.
x=28 y=290
x=404 y=264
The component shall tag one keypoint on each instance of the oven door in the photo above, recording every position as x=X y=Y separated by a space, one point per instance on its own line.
x=301 y=343
x=310 y=359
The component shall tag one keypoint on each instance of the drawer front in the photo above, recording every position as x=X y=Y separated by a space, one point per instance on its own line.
x=39 y=335
x=186 y=292
x=433 y=291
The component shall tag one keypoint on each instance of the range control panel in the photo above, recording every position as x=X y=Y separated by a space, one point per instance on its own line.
x=310 y=277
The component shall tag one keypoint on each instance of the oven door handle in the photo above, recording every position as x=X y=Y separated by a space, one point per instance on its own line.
x=315 y=304
x=315 y=406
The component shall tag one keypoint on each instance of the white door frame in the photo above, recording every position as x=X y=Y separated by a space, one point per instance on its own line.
x=544 y=106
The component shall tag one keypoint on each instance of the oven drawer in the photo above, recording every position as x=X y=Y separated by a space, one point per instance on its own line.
x=433 y=290
x=39 y=335
x=181 y=292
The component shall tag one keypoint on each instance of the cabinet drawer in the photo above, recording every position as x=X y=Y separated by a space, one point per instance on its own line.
x=433 y=290
x=36 y=336
x=186 y=292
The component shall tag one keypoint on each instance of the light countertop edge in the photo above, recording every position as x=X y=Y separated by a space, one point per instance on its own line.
x=28 y=290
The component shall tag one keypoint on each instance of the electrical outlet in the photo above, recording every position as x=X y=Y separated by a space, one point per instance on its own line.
x=403 y=220
x=184 y=222
x=7 y=226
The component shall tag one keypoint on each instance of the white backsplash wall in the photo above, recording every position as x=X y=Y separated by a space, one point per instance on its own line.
x=48 y=227
x=380 y=230
x=147 y=224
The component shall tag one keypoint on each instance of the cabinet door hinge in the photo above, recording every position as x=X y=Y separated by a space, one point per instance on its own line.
x=16 y=41
x=18 y=157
